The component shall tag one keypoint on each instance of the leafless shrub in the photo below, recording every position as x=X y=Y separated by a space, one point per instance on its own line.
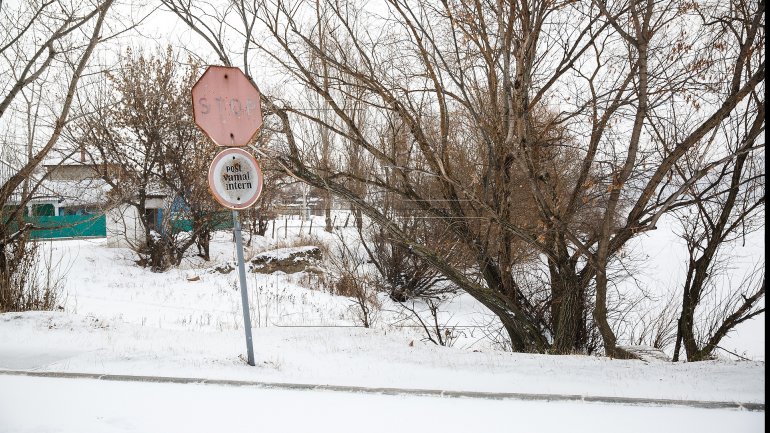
x=28 y=283
x=345 y=286
x=404 y=274
x=353 y=280
x=435 y=331
x=656 y=327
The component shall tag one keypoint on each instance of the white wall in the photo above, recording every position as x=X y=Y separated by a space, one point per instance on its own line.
x=123 y=227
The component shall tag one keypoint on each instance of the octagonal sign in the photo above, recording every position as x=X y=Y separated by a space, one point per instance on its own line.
x=226 y=106
x=235 y=179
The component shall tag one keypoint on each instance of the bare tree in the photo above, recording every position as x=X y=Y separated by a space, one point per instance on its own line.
x=325 y=161
x=724 y=206
x=41 y=44
x=148 y=131
x=534 y=129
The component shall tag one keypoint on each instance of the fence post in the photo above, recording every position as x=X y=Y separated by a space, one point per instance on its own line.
x=301 y=227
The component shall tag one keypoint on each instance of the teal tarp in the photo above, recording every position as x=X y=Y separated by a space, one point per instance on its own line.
x=73 y=226
x=222 y=220
x=68 y=226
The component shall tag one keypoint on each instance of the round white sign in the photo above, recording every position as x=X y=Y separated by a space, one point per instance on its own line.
x=235 y=178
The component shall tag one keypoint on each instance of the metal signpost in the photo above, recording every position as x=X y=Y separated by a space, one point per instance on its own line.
x=227 y=108
x=235 y=180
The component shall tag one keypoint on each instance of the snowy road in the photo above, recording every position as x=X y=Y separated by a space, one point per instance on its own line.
x=85 y=405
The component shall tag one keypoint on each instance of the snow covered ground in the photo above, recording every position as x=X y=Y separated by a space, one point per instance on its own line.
x=352 y=356
x=124 y=320
x=105 y=407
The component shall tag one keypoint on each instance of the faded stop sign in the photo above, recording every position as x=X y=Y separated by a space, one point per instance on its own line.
x=235 y=179
x=226 y=106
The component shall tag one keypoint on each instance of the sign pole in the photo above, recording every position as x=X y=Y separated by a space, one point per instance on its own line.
x=244 y=290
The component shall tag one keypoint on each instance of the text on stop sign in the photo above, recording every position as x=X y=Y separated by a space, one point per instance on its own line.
x=233 y=106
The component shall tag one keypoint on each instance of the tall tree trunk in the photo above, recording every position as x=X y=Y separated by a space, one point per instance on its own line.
x=568 y=311
x=328 y=211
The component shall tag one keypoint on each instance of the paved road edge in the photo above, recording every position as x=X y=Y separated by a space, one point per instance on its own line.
x=754 y=407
